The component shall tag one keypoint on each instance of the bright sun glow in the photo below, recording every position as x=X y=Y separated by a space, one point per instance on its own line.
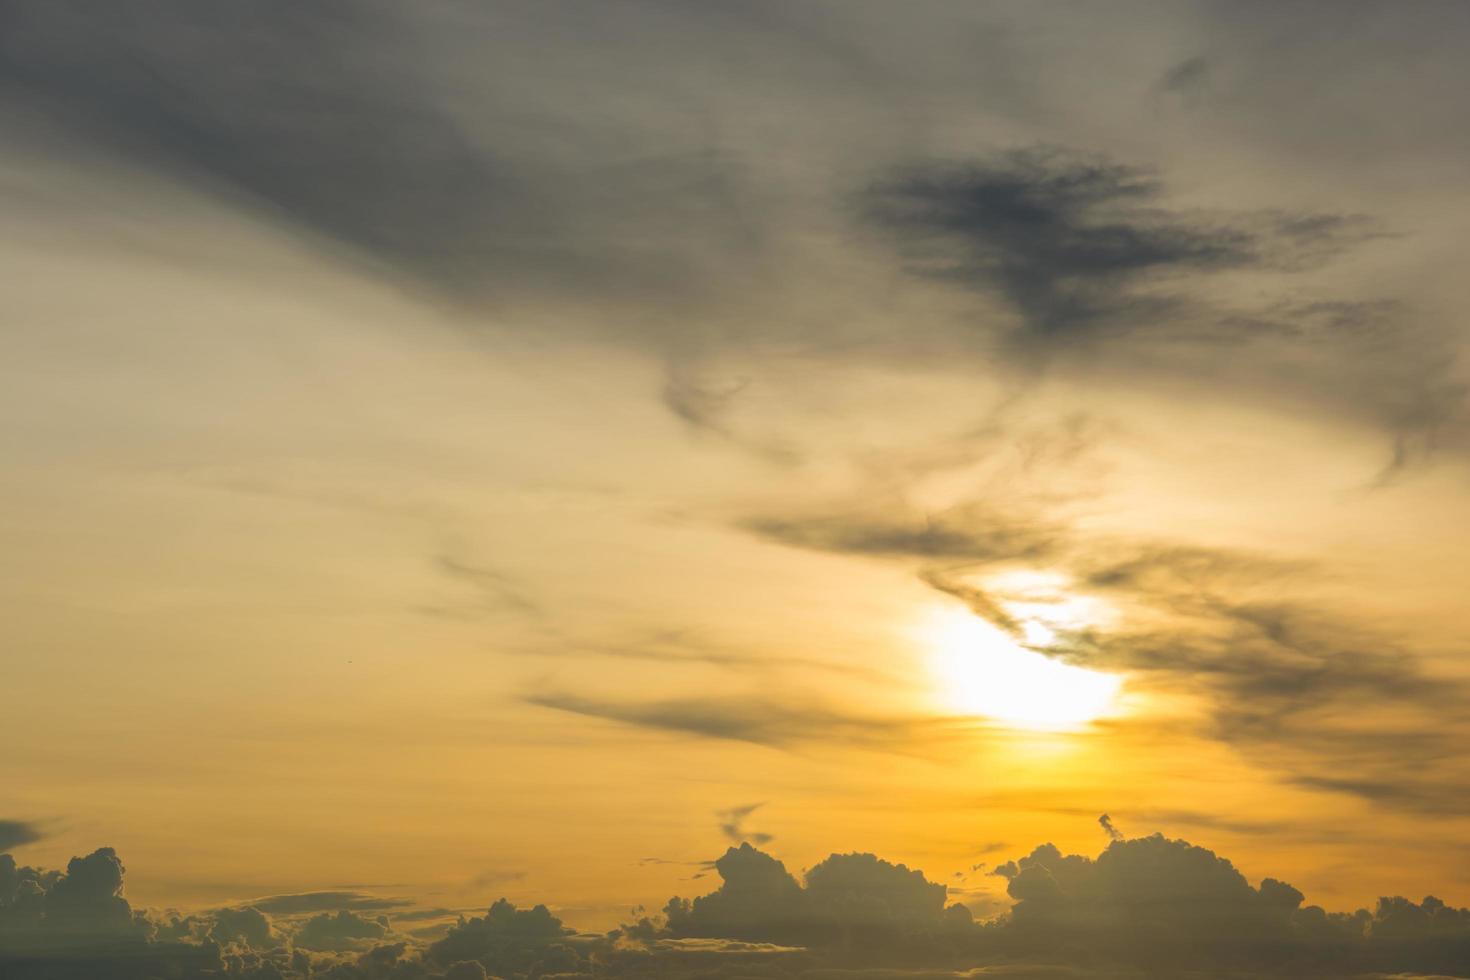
x=983 y=671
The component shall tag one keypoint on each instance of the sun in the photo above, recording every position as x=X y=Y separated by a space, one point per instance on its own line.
x=982 y=670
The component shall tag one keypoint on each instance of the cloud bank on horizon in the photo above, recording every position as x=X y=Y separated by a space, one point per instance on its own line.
x=1142 y=906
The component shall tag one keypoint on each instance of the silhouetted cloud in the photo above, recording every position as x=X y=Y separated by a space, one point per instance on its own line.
x=1143 y=906
x=248 y=925
x=732 y=825
x=344 y=930
x=507 y=939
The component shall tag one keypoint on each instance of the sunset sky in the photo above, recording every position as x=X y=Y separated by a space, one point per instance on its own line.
x=459 y=450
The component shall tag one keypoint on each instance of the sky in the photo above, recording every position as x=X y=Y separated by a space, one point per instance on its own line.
x=457 y=451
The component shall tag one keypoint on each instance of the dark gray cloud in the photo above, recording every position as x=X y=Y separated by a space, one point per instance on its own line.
x=338 y=122
x=1099 y=273
x=316 y=114
x=18 y=833
x=732 y=825
x=1077 y=244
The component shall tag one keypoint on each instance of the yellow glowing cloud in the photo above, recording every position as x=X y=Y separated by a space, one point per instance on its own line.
x=983 y=671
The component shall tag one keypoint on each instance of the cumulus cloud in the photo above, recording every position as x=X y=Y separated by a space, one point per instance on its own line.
x=344 y=930
x=847 y=898
x=77 y=924
x=1142 y=906
x=509 y=940
x=247 y=925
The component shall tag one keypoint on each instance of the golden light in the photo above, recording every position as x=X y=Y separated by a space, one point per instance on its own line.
x=984 y=671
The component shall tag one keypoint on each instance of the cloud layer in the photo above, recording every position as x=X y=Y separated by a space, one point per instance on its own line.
x=1142 y=906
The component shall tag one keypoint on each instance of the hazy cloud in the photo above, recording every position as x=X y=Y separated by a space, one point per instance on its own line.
x=705 y=408
x=17 y=833
x=325 y=901
x=690 y=648
x=960 y=535
x=1188 y=80
x=757 y=720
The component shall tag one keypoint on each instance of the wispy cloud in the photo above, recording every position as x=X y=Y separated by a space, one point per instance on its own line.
x=760 y=721
x=17 y=833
